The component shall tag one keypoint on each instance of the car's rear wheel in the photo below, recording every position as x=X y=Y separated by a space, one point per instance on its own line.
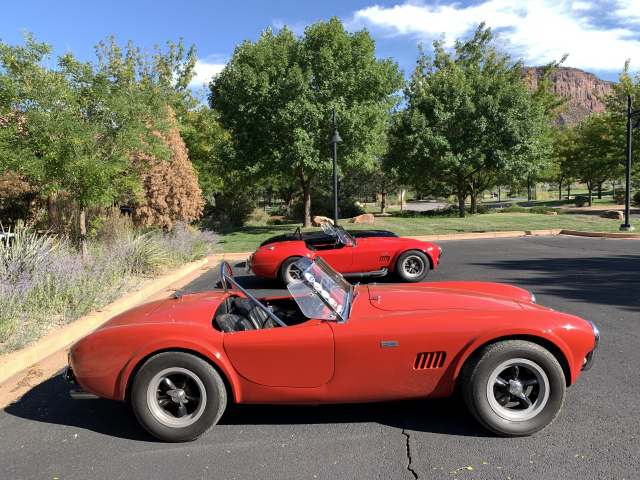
x=412 y=266
x=288 y=271
x=177 y=397
x=514 y=388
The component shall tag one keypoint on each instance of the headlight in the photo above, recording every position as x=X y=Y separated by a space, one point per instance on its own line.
x=533 y=297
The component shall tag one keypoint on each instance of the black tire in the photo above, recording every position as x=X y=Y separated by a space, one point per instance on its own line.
x=288 y=273
x=412 y=266
x=172 y=384
x=514 y=388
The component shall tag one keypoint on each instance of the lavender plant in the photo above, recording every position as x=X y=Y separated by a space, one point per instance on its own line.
x=44 y=283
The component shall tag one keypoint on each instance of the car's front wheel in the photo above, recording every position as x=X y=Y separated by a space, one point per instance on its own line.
x=514 y=388
x=177 y=397
x=288 y=271
x=412 y=266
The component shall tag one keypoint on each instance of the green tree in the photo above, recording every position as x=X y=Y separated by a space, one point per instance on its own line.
x=469 y=116
x=73 y=127
x=275 y=97
x=591 y=152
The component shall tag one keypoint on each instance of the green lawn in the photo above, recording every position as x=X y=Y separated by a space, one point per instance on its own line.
x=247 y=239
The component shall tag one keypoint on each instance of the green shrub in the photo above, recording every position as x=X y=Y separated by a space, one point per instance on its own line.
x=620 y=197
x=322 y=205
x=541 y=209
x=581 y=200
x=274 y=221
x=636 y=199
x=227 y=211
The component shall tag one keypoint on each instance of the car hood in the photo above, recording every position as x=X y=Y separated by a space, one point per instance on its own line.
x=447 y=296
x=189 y=308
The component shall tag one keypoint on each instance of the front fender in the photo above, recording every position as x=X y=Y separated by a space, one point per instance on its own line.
x=266 y=261
x=431 y=250
x=574 y=341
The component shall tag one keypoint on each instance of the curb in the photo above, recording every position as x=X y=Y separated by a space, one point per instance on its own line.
x=14 y=362
x=467 y=236
x=579 y=233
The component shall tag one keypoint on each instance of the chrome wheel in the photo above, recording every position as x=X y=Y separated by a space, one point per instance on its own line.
x=513 y=387
x=293 y=273
x=518 y=389
x=413 y=266
x=176 y=397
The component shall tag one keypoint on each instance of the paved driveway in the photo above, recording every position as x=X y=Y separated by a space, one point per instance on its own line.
x=47 y=435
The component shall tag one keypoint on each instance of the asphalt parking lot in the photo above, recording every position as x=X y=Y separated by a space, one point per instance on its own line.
x=48 y=435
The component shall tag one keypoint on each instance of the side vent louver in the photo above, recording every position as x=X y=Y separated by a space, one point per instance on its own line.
x=429 y=360
x=384 y=258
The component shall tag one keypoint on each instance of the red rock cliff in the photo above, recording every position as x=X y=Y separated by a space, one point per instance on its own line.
x=579 y=86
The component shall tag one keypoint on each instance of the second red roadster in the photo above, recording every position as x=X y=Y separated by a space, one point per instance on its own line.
x=370 y=253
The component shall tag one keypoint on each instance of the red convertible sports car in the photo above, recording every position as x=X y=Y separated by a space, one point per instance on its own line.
x=370 y=253
x=180 y=360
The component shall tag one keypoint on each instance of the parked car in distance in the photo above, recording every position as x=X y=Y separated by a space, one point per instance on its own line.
x=180 y=360
x=369 y=253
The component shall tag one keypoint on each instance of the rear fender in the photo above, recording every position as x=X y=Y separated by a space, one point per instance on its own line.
x=419 y=248
x=214 y=355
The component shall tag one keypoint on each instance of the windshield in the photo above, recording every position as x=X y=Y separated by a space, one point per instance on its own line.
x=339 y=233
x=345 y=237
x=322 y=293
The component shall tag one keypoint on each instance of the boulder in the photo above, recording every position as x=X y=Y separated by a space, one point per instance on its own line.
x=550 y=213
x=317 y=221
x=615 y=214
x=366 y=218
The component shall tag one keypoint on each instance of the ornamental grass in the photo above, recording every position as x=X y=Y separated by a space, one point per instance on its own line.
x=45 y=284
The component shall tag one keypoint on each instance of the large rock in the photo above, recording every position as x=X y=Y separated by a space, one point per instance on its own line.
x=550 y=213
x=366 y=218
x=615 y=214
x=317 y=221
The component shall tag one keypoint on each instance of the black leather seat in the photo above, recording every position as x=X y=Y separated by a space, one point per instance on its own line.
x=228 y=322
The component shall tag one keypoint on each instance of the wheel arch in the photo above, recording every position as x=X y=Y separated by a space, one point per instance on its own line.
x=133 y=367
x=547 y=344
x=392 y=265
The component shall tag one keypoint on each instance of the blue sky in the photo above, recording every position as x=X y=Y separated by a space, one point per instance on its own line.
x=599 y=36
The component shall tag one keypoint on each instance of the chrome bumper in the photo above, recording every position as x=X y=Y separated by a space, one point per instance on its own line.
x=247 y=266
x=76 y=393
x=587 y=363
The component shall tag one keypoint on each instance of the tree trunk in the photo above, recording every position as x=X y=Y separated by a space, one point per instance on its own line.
x=53 y=212
x=560 y=191
x=600 y=191
x=83 y=233
x=590 y=187
x=383 y=201
x=528 y=189
x=461 y=196
x=306 y=193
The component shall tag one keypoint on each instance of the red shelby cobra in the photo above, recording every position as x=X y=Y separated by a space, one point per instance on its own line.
x=370 y=253
x=180 y=360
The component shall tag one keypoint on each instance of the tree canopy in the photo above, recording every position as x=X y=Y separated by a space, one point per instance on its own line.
x=275 y=97
x=469 y=116
x=74 y=127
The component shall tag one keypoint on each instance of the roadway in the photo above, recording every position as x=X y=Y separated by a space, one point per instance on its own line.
x=47 y=435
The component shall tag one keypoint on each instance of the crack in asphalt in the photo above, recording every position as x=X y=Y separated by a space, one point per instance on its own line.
x=408 y=445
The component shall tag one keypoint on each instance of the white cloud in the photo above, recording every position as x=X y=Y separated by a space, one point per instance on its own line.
x=204 y=72
x=538 y=30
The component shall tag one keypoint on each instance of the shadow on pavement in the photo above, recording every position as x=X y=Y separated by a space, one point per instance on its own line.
x=50 y=403
x=607 y=281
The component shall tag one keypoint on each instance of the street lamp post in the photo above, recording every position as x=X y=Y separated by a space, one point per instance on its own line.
x=627 y=210
x=335 y=139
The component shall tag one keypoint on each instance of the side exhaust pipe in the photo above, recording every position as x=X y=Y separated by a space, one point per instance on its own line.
x=81 y=394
